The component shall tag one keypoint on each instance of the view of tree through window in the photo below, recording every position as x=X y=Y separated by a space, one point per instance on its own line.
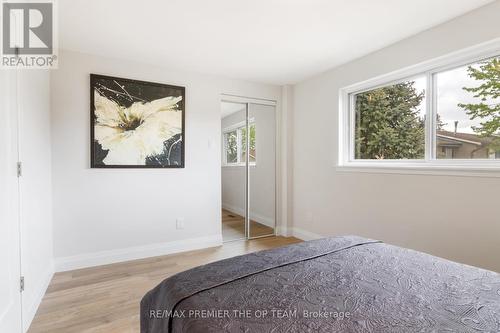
x=468 y=109
x=389 y=122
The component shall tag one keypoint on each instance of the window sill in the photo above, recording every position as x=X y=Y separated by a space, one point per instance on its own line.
x=458 y=170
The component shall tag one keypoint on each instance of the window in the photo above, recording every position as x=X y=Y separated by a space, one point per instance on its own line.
x=234 y=145
x=389 y=121
x=468 y=111
x=441 y=114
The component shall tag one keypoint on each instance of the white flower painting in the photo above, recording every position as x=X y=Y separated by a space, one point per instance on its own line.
x=136 y=124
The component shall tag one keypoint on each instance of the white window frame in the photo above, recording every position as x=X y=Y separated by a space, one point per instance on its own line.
x=238 y=127
x=430 y=164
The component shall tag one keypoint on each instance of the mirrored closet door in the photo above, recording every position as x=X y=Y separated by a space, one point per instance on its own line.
x=248 y=169
x=261 y=170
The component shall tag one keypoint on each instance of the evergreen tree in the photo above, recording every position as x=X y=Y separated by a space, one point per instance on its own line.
x=388 y=124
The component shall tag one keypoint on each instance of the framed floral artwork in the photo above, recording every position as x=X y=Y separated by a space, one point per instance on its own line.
x=136 y=124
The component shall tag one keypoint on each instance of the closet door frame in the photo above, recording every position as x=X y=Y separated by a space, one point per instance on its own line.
x=12 y=319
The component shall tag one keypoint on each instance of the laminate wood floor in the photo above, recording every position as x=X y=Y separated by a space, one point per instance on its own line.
x=106 y=298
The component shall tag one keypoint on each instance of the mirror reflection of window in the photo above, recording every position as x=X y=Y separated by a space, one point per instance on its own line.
x=235 y=141
x=252 y=144
x=231 y=147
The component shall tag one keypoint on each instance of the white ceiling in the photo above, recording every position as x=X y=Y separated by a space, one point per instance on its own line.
x=228 y=108
x=273 y=41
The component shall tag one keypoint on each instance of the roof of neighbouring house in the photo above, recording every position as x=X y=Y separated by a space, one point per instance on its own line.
x=465 y=137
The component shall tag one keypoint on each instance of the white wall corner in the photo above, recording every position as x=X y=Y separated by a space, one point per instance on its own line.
x=137 y=252
x=40 y=287
x=286 y=161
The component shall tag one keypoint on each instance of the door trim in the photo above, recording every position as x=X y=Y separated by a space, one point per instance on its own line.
x=246 y=100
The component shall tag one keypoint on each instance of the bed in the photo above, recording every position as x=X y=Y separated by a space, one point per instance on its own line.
x=340 y=284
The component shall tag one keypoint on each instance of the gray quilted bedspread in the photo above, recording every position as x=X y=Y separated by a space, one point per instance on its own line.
x=341 y=284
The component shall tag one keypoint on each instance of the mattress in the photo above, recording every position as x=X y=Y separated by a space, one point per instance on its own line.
x=340 y=284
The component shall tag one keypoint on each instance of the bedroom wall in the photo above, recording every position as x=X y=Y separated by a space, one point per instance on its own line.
x=262 y=175
x=107 y=215
x=451 y=217
x=35 y=186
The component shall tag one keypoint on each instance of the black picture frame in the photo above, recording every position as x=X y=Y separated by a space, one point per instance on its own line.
x=96 y=151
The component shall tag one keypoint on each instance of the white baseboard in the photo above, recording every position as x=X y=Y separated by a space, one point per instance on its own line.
x=39 y=290
x=265 y=220
x=137 y=252
x=233 y=209
x=304 y=234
